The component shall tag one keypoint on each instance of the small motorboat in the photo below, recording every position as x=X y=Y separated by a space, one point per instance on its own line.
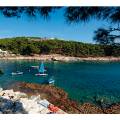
x=41 y=74
x=34 y=67
x=17 y=73
x=51 y=81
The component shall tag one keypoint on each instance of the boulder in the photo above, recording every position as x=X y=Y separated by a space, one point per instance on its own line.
x=19 y=103
x=35 y=98
x=20 y=95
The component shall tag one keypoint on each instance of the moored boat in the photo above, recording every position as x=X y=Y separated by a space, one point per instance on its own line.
x=17 y=73
x=51 y=81
x=34 y=66
x=41 y=70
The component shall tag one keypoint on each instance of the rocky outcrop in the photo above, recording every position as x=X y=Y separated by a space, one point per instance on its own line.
x=20 y=103
x=113 y=109
x=57 y=97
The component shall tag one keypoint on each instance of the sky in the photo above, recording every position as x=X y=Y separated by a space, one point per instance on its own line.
x=54 y=27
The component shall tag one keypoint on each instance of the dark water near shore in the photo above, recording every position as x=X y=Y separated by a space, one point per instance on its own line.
x=82 y=80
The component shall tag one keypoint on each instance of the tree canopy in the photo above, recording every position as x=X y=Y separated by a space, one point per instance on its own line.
x=71 y=14
x=31 y=46
x=105 y=36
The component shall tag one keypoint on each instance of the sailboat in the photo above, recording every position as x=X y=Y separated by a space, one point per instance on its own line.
x=41 y=70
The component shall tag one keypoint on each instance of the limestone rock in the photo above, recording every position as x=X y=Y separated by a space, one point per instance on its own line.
x=19 y=103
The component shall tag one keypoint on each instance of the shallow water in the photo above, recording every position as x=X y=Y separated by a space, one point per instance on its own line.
x=82 y=80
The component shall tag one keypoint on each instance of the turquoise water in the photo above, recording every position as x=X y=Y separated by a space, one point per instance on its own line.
x=82 y=80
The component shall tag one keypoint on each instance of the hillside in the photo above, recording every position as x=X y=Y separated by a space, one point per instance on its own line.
x=35 y=45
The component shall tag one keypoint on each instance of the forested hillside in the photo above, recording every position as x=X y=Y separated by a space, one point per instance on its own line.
x=32 y=45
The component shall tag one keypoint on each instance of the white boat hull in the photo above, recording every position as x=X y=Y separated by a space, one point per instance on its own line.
x=51 y=82
x=41 y=74
x=34 y=66
x=17 y=73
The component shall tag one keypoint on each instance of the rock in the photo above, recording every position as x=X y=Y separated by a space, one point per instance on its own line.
x=9 y=92
x=6 y=97
x=35 y=98
x=44 y=111
x=20 y=95
x=30 y=106
x=7 y=111
x=44 y=103
x=19 y=103
x=6 y=105
x=88 y=108
x=1 y=89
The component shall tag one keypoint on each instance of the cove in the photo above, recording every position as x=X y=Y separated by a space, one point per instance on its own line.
x=83 y=81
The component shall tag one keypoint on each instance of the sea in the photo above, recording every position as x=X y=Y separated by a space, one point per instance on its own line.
x=83 y=81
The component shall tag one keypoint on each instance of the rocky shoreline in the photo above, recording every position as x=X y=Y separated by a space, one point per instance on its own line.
x=57 y=57
x=29 y=98
x=60 y=98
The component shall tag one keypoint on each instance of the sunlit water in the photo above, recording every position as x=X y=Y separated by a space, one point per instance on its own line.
x=81 y=80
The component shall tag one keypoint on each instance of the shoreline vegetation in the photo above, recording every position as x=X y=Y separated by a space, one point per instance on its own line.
x=33 y=48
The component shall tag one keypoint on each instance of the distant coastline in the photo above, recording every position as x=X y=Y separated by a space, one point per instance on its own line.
x=55 y=49
x=58 y=57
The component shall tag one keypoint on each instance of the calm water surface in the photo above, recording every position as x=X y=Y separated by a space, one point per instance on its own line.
x=82 y=80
